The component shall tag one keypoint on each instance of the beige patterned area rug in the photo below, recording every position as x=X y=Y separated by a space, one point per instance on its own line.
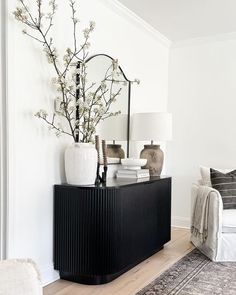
x=195 y=274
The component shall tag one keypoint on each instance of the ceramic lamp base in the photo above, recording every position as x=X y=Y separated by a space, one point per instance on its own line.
x=115 y=151
x=155 y=158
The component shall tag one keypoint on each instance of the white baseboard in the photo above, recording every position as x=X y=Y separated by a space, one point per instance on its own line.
x=49 y=275
x=178 y=221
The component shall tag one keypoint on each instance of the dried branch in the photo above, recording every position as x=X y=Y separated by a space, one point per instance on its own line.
x=82 y=106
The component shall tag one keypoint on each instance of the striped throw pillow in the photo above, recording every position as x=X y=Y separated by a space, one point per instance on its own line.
x=225 y=183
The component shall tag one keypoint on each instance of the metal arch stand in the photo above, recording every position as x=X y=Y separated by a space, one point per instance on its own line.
x=129 y=94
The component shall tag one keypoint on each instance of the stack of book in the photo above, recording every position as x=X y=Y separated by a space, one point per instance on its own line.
x=130 y=173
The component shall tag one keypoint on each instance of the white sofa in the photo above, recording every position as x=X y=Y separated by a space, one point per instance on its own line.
x=221 y=241
x=19 y=277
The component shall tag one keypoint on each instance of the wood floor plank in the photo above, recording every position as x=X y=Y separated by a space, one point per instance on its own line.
x=136 y=278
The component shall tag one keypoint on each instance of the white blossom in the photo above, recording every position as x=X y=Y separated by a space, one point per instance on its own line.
x=41 y=114
x=92 y=25
x=92 y=100
x=103 y=85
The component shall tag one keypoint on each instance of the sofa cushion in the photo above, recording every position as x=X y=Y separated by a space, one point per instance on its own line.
x=225 y=183
x=229 y=221
x=206 y=174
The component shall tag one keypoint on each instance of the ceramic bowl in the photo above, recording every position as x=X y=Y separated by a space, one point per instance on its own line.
x=130 y=162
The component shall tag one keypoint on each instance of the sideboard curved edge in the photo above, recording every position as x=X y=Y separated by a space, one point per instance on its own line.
x=100 y=234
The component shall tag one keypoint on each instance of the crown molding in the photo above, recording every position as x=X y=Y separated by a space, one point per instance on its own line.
x=204 y=40
x=123 y=11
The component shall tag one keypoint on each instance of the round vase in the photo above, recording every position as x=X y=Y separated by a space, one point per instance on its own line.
x=81 y=164
x=115 y=151
x=155 y=159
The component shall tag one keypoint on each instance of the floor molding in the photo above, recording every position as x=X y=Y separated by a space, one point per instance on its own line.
x=49 y=275
x=181 y=222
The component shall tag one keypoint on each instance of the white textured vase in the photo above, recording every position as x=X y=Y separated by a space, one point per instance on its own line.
x=81 y=164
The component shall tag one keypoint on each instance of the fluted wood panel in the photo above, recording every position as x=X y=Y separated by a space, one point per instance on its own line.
x=100 y=232
x=86 y=230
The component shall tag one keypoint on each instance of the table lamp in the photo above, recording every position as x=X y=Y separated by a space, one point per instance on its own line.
x=112 y=129
x=152 y=127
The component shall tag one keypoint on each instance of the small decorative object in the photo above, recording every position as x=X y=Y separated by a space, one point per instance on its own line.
x=112 y=129
x=104 y=152
x=100 y=179
x=79 y=105
x=97 y=181
x=133 y=164
x=152 y=126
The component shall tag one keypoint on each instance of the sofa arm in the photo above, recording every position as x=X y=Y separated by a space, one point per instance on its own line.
x=215 y=204
x=212 y=245
x=19 y=276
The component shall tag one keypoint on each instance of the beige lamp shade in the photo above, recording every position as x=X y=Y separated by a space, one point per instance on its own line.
x=151 y=126
x=114 y=128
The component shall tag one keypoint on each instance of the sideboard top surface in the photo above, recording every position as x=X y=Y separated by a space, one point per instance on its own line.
x=116 y=183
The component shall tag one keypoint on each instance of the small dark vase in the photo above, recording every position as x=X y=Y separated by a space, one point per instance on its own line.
x=115 y=151
x=155 y=158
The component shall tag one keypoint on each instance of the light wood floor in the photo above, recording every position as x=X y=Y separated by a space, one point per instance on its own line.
x=136 y=278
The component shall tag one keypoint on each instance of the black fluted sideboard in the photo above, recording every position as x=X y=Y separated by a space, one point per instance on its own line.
x=102 y=231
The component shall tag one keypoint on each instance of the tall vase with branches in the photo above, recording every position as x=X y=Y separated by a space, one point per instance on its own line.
x=80 y=106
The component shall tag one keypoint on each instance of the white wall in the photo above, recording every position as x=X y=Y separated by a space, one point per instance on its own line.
x=202 y=98
x=2 y=133
x=36 y=156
